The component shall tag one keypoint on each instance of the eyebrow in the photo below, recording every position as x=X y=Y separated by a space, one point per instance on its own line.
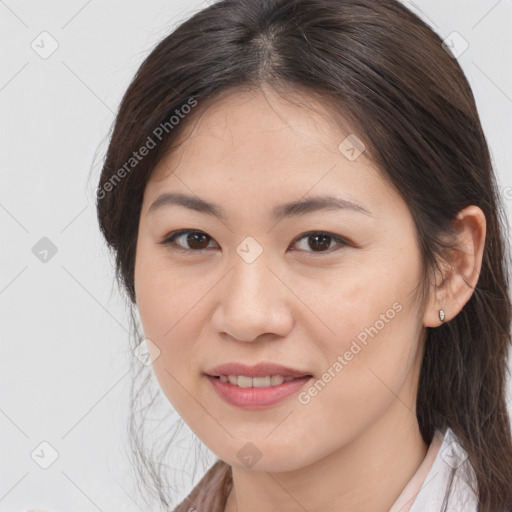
x=292 y=209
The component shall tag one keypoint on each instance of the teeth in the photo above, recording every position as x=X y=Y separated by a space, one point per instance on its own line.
x=248 y=382
x=275 y=380
x=255 y=382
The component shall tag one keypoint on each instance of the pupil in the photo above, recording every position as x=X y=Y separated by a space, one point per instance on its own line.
x=323 y=244
x=190 y=239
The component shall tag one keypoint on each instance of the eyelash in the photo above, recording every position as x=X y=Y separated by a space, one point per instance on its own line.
x=169 y=241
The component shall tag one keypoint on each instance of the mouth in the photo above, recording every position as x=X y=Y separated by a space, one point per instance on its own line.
x=256 y=386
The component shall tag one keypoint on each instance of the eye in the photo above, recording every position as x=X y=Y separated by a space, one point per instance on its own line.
x=320 y=241
x=195 y=238
x=197 y=241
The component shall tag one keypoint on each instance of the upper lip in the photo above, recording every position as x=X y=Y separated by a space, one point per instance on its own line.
x=259 y=370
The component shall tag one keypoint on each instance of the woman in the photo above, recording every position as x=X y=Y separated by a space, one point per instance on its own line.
x=302 y=207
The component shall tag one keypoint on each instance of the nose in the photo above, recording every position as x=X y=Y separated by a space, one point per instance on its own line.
x=252 y=301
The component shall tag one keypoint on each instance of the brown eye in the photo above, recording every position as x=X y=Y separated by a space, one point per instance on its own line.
x=196 y=240
x=320 y=242
x=190 y=241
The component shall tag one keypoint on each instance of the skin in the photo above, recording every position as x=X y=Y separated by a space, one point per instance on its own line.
x=356 y=444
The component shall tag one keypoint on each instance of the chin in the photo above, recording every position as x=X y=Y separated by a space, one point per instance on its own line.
x=251 y=458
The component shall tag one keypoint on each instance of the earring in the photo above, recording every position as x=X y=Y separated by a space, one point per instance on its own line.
x=441 y=315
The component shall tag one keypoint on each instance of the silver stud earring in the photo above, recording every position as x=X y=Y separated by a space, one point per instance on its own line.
x=441 y=315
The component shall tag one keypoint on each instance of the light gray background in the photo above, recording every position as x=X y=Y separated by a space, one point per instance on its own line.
x=64 y=350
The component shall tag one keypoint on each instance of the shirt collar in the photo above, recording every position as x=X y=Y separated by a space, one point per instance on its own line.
x=450 y=483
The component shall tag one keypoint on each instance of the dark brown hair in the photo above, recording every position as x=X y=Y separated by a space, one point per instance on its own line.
x=385 y=71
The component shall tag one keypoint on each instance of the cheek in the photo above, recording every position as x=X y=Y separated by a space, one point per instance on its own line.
x=169 y=319
x=164 y=296
x=361 y=379
x=371 y=299
x=168 y=305
x=374 y=326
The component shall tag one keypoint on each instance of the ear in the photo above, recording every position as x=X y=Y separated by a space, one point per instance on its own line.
x=459 y=280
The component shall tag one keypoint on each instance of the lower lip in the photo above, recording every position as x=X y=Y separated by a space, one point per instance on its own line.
x=256 y=398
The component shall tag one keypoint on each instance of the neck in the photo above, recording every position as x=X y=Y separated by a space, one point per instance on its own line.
x=369 y=473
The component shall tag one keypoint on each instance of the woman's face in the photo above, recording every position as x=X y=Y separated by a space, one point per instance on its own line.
x=330 y=291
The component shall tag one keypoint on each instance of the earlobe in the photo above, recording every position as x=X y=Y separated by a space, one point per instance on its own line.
x=458 y=283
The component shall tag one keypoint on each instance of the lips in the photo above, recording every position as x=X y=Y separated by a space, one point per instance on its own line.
x=259 y=370
x=256 y=397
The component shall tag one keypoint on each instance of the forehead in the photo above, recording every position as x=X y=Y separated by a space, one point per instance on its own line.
x=261 y=142
x=265 y=110
x=260 y=121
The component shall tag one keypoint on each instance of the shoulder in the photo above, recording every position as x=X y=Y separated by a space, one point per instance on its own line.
x=211 y=492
